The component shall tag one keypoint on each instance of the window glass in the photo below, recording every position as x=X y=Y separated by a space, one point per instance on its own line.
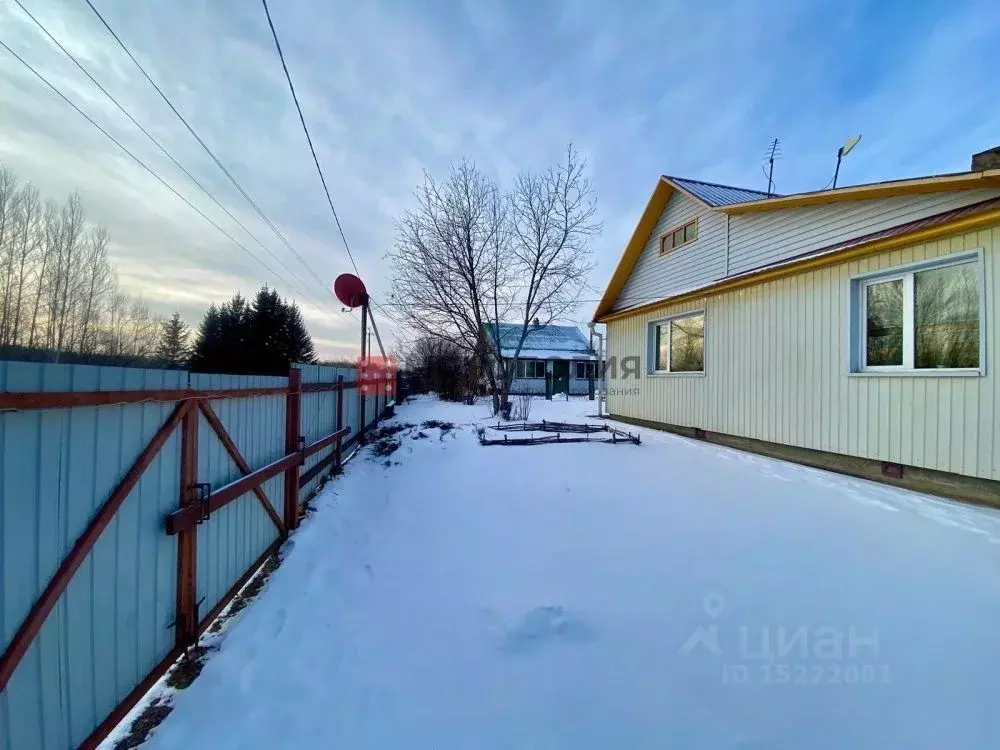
x=530 y=368
x=535 y=368
x=884 y=324
x=687 y=344
x=679 y=236
x=946 y=316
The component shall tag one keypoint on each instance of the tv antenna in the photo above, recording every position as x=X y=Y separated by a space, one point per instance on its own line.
x=773 y=152
x=843 y=151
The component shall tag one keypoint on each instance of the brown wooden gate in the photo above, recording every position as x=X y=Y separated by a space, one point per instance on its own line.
x=197 y=501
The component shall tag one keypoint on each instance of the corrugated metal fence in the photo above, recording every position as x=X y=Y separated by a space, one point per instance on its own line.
x=133 y=505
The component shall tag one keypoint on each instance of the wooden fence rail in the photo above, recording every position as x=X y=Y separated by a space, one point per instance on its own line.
x=312 y=422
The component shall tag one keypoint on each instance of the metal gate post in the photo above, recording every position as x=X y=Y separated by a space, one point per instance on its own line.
x=337 y=463
x=187 y=540
x=293 y=404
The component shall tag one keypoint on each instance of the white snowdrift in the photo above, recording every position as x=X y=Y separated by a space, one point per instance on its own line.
x=673 y=594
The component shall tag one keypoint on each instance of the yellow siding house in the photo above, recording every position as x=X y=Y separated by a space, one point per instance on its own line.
x=854 y=329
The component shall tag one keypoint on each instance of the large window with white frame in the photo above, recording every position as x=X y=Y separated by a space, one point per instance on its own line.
x=531 y=368
x=585 y=370
x=678 y=344
x=924 y=317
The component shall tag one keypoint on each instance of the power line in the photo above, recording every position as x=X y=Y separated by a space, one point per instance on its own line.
x=319 y=169
x=137 y=160
x=209 y=151
x=164 y=150
x=642 y=300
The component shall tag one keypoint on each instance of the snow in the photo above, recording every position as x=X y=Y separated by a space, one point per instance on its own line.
x=608 y=596
x=543 y=336
x=550 y=354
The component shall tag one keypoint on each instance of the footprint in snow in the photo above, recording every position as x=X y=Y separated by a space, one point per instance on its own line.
x=544 y=627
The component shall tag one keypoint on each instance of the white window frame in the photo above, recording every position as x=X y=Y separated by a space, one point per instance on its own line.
x=534 y=366
x=653 y=339
x=591 y=366
x=858 y=339
x=908 y=330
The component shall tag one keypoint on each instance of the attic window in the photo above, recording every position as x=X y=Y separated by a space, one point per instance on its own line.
x=679 y=236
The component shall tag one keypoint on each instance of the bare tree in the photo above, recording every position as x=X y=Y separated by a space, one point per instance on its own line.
x=142 y=330
x=9 y=196
x=26 y=243
x=470 y=257
x=449 y=262
x=51 y=232
x=114 y=333
x=58 y=289
x=68 y=271
x=553 y=221
x=95 y=286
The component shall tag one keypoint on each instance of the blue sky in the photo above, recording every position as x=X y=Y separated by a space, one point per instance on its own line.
x=393 y=88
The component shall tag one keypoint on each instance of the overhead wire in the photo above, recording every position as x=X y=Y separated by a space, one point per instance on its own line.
x=138 y=161
x=319 y=169
x=206 y=148
x=170 y=156
x=305 y=128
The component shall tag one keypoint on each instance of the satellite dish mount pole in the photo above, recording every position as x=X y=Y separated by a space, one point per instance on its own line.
x=364 y=329
x=836 y=172
x=843 y=151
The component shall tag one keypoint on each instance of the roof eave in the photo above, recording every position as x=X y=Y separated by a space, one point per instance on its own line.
x=939 y=183
x=658 y=200
x=987 y=216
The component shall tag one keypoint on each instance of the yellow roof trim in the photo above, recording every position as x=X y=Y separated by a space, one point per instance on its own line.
x=647 y=222
x=964 y=224
x=939 y=183
x=650 y=215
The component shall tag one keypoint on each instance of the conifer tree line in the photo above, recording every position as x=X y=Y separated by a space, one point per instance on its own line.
x=60 y=301
x=262 y=337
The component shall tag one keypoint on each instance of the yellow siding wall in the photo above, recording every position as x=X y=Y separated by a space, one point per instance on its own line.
x=776 y=369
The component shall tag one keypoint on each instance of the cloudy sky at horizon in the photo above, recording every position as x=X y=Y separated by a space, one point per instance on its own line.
x=394 y=88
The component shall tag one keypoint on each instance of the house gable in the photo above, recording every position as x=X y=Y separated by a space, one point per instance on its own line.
x=656 y=275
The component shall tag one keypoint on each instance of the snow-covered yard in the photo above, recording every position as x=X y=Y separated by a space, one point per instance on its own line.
x=668 y=595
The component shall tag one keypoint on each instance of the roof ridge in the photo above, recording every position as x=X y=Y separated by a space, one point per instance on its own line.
x=719 y=184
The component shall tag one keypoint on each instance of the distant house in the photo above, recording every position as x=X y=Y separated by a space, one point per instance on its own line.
x=561 y=353
x=854 y=329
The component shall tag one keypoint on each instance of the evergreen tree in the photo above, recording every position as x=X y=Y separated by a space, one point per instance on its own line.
x=301 y=345
x=278 y=335
x=262 y=338
x=207 y=343
x=173 y=347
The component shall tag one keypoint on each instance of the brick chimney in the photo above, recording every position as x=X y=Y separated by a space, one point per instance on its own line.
x=989 y=159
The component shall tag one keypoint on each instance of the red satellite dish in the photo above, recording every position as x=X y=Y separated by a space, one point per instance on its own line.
x=350 y=290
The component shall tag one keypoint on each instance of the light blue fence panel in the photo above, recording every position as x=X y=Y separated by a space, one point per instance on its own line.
x=115 y=622
x=112 y=624
x=235 y=536
x=319 y=414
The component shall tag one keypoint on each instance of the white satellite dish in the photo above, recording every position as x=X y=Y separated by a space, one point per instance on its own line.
x=843 y=151
x=849 y=144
